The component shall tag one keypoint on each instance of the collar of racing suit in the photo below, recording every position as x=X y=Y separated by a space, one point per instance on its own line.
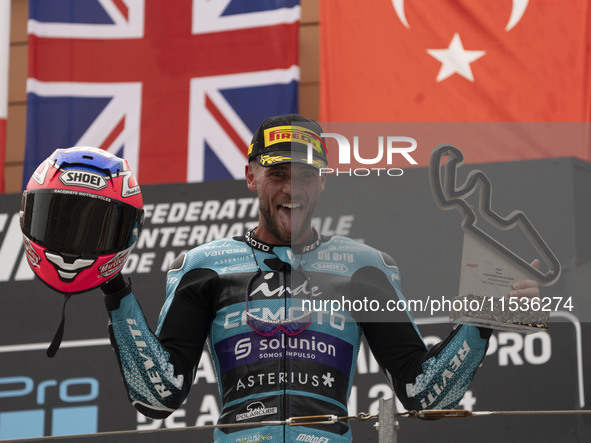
x=313 y=243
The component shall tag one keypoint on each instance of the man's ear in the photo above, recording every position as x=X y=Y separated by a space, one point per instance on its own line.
x=250 y=177
x=323 y=181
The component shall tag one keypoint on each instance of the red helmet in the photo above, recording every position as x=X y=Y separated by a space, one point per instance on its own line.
x=81 y=215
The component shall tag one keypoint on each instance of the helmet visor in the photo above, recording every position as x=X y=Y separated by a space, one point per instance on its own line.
x=78 y=222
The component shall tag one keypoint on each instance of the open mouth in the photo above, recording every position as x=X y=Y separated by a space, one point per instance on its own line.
x=291 y=205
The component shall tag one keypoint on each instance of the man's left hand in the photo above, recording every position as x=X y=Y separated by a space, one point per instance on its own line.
x=526 y=288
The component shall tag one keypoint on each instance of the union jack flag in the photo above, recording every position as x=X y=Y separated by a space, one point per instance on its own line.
x=176 y=88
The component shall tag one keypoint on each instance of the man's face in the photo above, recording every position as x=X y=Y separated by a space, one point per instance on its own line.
x=287 y=194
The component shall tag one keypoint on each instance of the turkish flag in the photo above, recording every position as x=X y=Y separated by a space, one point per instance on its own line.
x=458 y=61
x=464 y=60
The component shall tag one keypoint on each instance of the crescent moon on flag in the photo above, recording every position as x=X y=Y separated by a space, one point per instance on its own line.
x=519 y=7
x=399 y=8
x=517 y=11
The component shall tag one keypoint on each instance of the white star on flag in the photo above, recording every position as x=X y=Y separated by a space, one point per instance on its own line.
x=455 y=59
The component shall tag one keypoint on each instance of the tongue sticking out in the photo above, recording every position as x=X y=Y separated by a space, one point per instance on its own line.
x=289 y=218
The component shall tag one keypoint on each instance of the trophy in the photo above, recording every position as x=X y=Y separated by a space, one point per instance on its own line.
x=489 y=268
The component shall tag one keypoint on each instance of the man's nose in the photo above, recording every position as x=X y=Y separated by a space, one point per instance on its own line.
x=286 y=188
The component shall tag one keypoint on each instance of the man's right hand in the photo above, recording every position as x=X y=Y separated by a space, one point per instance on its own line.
x=114 y=290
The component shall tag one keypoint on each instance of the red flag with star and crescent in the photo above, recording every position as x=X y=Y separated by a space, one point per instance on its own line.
x=496 y=61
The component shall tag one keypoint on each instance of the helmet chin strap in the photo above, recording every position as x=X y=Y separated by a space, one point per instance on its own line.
x=59 y=334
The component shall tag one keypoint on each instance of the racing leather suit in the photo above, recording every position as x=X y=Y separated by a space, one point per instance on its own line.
x=275 y=377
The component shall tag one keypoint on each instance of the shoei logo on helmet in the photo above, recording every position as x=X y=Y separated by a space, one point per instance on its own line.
x=83 y=178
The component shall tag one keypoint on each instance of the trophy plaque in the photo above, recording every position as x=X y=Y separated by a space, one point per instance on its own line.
x=489 y=268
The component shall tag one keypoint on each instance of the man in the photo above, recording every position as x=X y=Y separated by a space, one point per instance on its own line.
x=275 y=357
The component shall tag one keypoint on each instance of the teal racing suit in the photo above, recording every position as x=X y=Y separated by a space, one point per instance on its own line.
x=276 y=376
